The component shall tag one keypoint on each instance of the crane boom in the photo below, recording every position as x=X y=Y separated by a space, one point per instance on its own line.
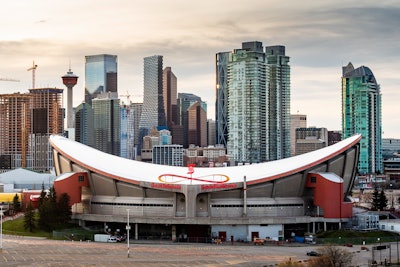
x=9 y=80
x=33 y=69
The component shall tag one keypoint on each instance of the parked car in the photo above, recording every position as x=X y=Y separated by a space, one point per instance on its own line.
x=313 y=253
x=112 y=239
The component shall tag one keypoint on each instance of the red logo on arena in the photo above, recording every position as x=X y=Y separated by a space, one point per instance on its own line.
x=212 y=178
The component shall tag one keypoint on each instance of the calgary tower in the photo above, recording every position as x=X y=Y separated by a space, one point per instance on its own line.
x=69 y=80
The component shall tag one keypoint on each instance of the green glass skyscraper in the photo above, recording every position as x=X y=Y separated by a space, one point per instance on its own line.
x=361 y=113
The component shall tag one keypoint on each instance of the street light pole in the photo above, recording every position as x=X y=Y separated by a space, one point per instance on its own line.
x=1 y=228
x=128 y=227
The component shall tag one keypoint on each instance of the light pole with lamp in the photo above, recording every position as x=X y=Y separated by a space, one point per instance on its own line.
x=128 y=227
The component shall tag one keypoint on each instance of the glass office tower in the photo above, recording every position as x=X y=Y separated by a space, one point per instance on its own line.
x=153 y=113
x=100 y=75
x=361 y=114
x=107 y=123
x=221 y=103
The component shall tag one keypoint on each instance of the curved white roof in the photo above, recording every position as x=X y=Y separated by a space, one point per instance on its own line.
x=137 y=171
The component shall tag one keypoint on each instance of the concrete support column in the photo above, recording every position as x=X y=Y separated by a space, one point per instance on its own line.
x=136 y=231
x=244 y=197
x=173 y=232
x=325 y=226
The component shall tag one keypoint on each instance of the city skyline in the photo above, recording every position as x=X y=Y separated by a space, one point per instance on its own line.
x=320 y=38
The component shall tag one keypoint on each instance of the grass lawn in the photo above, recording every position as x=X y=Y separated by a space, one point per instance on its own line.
x=16 y=227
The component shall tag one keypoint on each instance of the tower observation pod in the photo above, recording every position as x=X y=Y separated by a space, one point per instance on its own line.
x=69 y=80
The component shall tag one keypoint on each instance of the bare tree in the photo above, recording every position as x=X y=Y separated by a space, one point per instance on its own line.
x=290 y=263
x=332 y=257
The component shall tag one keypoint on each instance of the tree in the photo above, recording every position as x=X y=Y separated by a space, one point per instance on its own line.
x=64 y=209
x=53 y=213
x=383 y=201
x=43 y=195
x=375 y=199
x=29 y=218
x=16 y=204
x=332 y=257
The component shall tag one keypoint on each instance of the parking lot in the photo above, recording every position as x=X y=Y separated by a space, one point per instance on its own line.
x=22 y=251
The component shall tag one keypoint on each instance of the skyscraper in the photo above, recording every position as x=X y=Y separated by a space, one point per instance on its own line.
x=185 y=101
x=137 y=113
x=197 y=125
x=47 y=119
x=15 y=125
x=100 y=75
x=253 y=102
x=278 y=84
x=107 y=123
x=170 y=95
x=247 y=104
x=127 y=131
x=84 y=132
x=26 y=122
x=361 y=114
x=221 y=103
x=153 y=113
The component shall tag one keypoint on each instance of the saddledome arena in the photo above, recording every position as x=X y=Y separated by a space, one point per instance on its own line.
x=277 y=199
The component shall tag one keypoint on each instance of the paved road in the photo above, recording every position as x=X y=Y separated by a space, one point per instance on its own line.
x=22 y=251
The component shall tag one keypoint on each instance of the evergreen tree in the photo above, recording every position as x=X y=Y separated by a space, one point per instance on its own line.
x=44 y=215
x=43 y=196
x=383 y=201
x=29 y=218
x=375 y=199
x=53 y=213
x=64 y=209
x=44 y=211
x=16 y=204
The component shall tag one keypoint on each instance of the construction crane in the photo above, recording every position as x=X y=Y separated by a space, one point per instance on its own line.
x=33 y=69
x=9 y=80
x=129 y=95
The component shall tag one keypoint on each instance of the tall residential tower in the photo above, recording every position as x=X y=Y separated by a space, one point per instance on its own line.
x=253 y=103
x=278 y=85
x=361 y=114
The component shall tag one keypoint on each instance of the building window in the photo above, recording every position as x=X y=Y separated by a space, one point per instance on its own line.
x=81 y=178
x=313 y=179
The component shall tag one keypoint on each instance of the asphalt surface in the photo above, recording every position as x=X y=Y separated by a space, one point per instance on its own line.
x=24 y=251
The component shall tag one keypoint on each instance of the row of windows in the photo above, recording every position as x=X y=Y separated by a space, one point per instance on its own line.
x=255 y=205
x=213 y=205
x=133 y=204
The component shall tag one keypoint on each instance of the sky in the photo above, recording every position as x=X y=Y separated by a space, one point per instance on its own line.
x=320 y=37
